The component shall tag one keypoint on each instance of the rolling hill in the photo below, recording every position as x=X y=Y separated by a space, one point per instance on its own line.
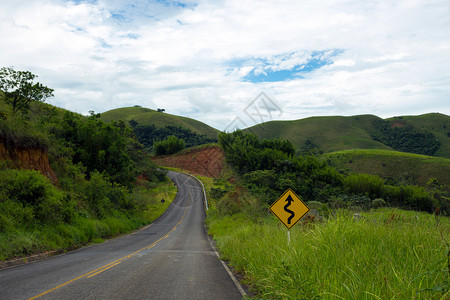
x=147 y=116
x=406 y=168
x=437 y=124
x=336 y=133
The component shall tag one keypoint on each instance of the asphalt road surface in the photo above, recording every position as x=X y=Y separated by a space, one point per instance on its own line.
x=170 y=259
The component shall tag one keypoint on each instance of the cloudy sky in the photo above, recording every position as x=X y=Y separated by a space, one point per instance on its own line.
x=209 y=59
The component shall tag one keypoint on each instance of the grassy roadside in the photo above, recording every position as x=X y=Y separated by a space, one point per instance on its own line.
x=152 y=206
x=385 y=253
x=26 y=240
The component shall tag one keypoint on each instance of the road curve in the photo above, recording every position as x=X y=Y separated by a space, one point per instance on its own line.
x=170 y=259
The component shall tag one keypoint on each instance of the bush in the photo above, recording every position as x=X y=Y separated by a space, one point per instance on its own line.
x=319 y=207
x=13 y=214
x=376 y=203
x=169 y=146
x=216 y=193
x=411 y=196
x=34 y=192
x=96 y=193
x=369 y=185
x=315 y=204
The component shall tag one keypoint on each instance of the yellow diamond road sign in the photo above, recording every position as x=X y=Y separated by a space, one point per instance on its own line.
x=289 y=208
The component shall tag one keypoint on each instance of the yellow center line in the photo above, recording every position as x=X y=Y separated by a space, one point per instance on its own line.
x=104 y=269
x=111 y=264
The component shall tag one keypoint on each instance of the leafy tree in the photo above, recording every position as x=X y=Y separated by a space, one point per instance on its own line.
x=20 y=90
x=169 y=146
x=99 y=146
x=309 y=148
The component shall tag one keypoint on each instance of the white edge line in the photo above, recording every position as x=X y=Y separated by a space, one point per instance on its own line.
x=236 y=282
x=233 y=278
x=203 y=187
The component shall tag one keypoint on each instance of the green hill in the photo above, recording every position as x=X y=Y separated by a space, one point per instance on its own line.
x=337 y=133
x=146 y=116
x=406 y=168
x=435 y=123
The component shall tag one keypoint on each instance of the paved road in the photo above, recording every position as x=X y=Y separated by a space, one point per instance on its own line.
x=171 y=259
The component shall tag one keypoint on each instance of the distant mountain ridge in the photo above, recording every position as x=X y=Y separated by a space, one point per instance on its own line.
x=336 y=133
x=328 y=134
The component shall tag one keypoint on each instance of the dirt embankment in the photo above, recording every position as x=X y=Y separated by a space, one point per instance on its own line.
x=31 y=159
x=205 y=161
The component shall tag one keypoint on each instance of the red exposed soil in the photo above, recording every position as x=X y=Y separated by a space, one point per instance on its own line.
x=31 y=159
x=397 y=124
x=207 y=161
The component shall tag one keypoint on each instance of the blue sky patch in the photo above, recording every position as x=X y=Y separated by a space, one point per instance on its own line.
x=84 y=1
x=286 y=66
x=172 y=3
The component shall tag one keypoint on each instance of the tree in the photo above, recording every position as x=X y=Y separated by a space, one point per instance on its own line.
x=169 y=146
x=20 y=90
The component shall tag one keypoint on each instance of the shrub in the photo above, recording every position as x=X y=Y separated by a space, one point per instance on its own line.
x=13 y=214
x=365 y=184
x=411 y=196
x=34 y=192
x=169 y=146
x=378 y=202
x=96 y=192
x=230 y=204
x=120 y=197
x=319 y=207
x=314 y=204
x=216 y=193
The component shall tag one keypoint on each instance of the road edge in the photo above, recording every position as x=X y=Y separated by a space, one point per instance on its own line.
x=227 y=269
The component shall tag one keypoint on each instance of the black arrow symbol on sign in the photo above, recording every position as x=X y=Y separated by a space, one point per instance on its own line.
x=289 y=200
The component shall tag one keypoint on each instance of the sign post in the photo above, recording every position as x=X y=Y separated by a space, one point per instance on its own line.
x=289 y=209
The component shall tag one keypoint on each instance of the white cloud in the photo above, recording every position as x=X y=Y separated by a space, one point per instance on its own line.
x=107 y=54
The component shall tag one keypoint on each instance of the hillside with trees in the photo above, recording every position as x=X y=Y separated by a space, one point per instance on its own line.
x=269 y=167
x=425 y=134
x=67 y=180
x=158 y=118
x=149 y=135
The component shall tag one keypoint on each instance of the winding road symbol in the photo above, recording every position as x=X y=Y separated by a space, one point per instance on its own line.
x=289 y=201
x=289 y=208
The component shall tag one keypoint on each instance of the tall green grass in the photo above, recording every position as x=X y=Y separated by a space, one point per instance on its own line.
x=382 y=254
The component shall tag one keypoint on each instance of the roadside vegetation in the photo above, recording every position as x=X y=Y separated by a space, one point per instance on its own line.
x=364 y=239
x=105 y=182
x=383 y=253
